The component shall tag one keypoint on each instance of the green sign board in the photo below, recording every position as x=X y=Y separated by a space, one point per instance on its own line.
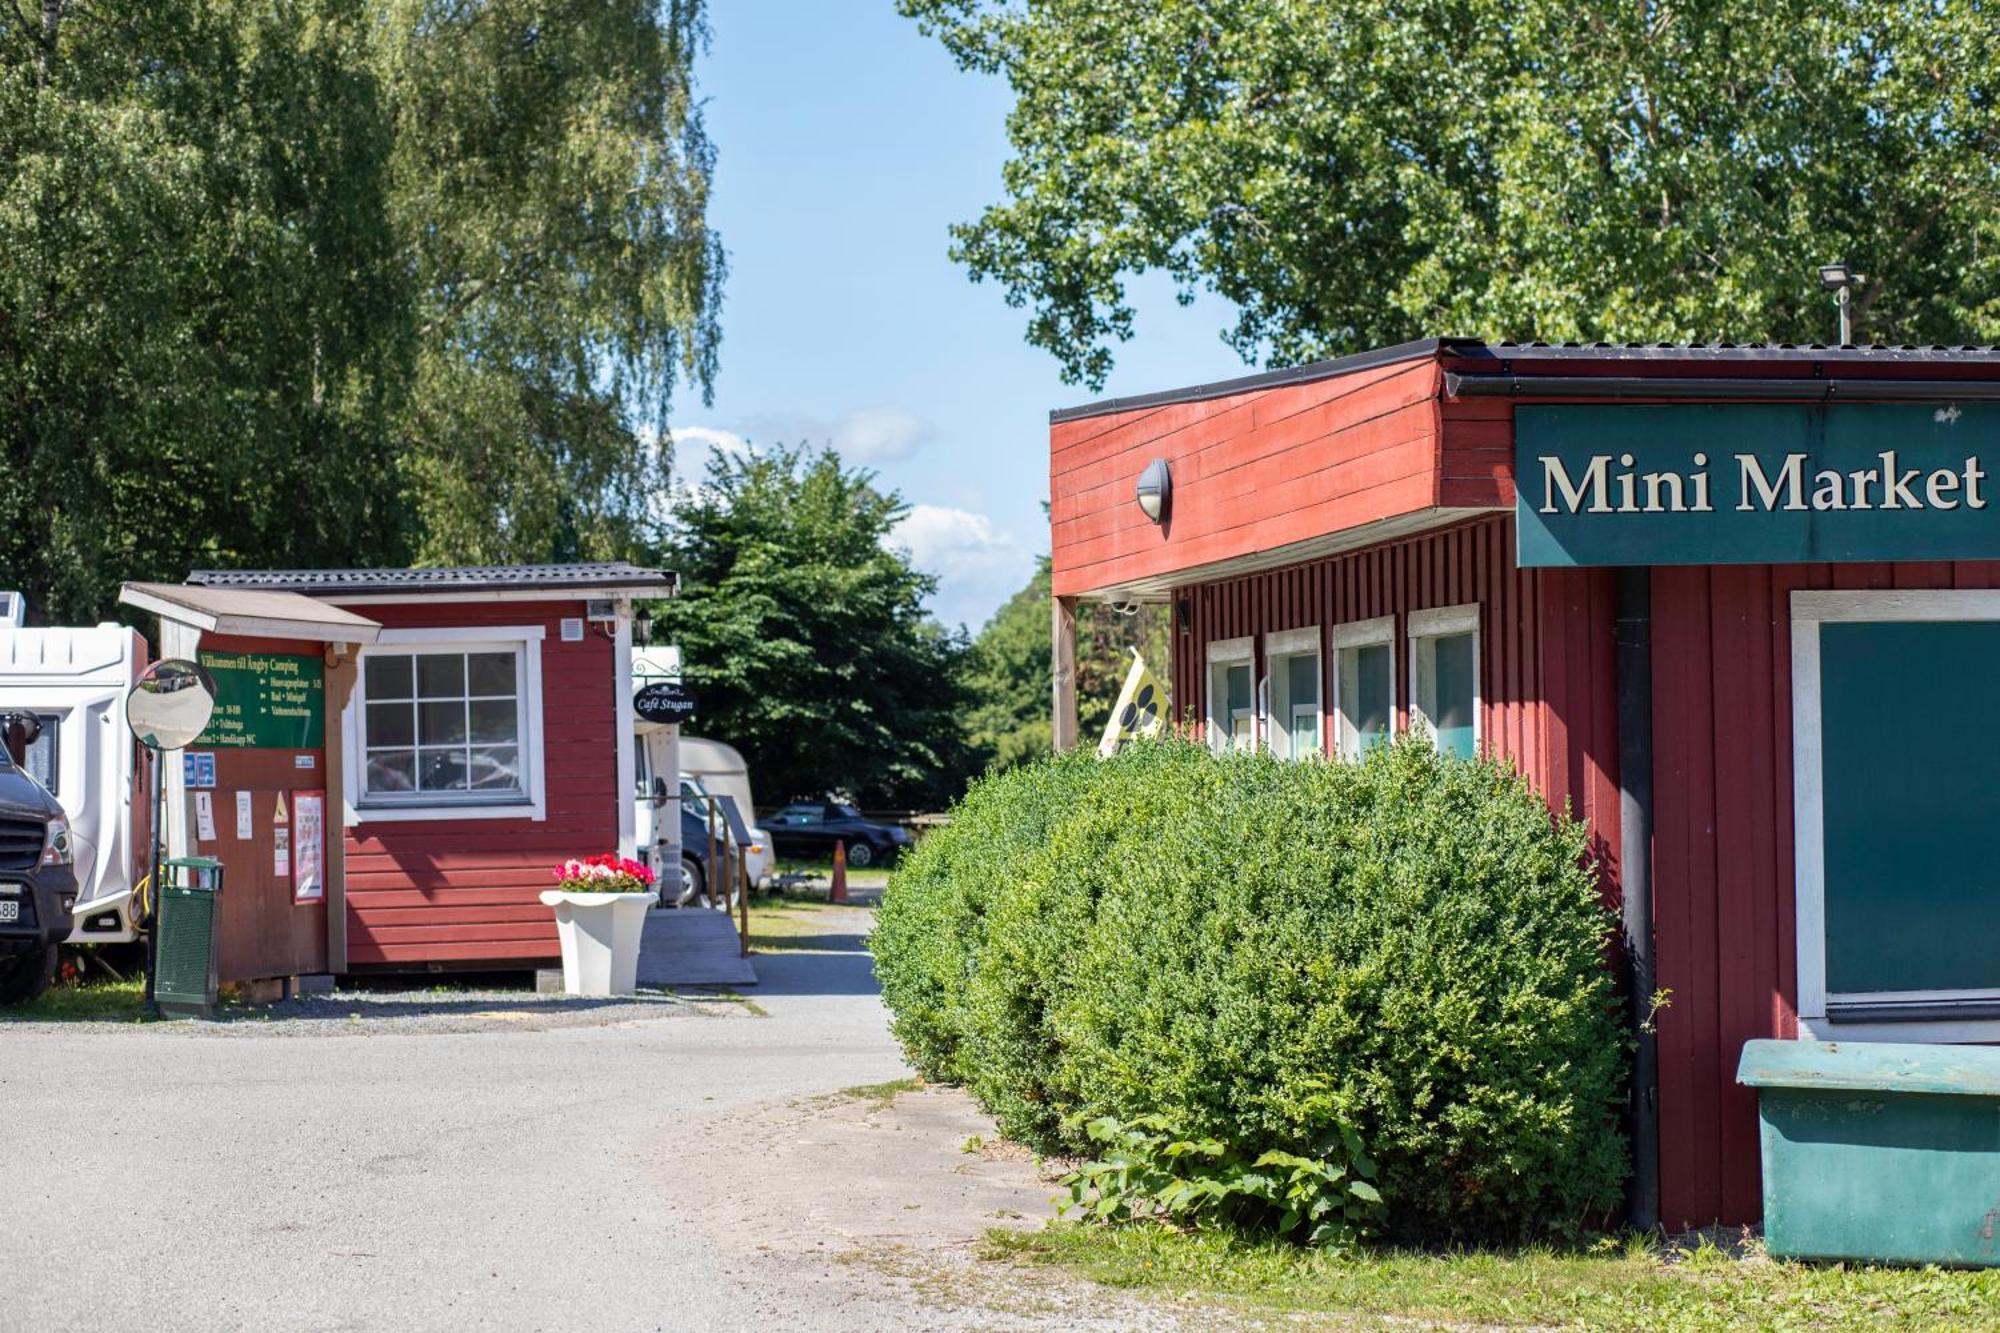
x=271 y=701
x=1756 y=483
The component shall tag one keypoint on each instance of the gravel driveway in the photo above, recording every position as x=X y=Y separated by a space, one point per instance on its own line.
x=415 y=1161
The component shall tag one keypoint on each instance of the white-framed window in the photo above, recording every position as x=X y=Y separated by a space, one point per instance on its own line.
x=446 y=724
x=1364 y=684
x=1444 y=676
x=1292 y=668
x=1895 y=734
x=1232 y=699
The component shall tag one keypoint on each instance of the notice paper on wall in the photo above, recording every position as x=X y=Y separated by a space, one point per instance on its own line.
x=204 y=816
x=281 y=852
x=309 y=826
x=245 y=829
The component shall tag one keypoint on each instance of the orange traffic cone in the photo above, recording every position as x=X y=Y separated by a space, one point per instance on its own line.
x=838 y=893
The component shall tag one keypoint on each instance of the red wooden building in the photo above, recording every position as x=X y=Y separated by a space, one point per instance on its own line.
x=399 y=757
x=1791 y=530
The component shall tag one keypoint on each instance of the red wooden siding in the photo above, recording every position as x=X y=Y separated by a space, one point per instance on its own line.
x=465 y=891
x=1724 y=922
x=1252 y=472
x=1547 y=689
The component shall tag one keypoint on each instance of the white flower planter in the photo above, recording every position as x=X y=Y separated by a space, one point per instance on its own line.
x=600 y=939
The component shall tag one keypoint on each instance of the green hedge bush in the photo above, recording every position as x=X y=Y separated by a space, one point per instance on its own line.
x=1256 y=950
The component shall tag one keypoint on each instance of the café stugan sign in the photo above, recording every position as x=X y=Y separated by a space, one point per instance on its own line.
x=1755 y=483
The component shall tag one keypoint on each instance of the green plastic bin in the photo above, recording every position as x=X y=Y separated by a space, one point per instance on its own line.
x=190 y=910
x=1879 y=1151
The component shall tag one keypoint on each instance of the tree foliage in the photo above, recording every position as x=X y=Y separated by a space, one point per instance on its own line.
x=1359 y=174
x=805 y=631
x=340 y=281
x=1009 y=671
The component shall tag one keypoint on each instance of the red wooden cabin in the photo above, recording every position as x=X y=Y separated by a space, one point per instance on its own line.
x=1341 y=553
x=459 y=731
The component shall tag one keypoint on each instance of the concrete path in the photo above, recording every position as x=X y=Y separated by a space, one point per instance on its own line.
x=431 y=1161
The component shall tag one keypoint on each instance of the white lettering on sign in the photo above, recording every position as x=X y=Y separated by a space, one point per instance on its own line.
x=1608 y=484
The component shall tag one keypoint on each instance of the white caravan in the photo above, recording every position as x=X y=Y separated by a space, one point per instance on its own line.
x=75 y=680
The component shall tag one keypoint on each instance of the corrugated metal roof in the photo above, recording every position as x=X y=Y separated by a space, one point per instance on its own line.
x=1478 y=349
x=464 y=578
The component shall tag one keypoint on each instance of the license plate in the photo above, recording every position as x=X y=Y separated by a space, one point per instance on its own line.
x=9 y=910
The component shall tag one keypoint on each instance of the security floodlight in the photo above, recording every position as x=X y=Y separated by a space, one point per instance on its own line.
x=1832 y=277
x=1156 y=487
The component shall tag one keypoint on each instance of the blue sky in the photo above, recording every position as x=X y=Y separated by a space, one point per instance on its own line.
x=847 y=143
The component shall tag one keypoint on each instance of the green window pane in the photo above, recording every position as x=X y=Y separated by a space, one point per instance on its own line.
x=1374 y=671
x=1910 y=726
x=1237 y=688
x=1455 y=688
x=1302 y=678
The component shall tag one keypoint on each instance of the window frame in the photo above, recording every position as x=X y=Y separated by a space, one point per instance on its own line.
x=1281 y=647
x=1377 y=631
x=525 y=642
x=1810 y=610
x=1227 y=653
x=1424 y=629
x=51 y=721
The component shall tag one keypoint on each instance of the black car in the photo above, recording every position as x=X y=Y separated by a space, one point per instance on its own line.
x=37 y=884
x=809 y=829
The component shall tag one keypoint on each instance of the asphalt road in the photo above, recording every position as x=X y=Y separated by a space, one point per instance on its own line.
x=404 y=1169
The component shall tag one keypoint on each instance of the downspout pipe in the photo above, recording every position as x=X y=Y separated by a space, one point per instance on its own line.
x=1634 y=614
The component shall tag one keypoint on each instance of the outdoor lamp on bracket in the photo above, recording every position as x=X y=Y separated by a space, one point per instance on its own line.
x=1156 y=488
x=642 y=627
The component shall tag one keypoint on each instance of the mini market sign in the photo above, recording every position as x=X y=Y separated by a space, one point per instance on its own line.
x=1717 y=484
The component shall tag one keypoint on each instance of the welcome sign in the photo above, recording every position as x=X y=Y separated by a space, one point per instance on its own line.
x=1718 y=484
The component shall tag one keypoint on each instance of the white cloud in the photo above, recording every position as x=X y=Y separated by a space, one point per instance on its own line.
x=977 y=565
x=883 y=434
x=874 y=435
x=694 y=444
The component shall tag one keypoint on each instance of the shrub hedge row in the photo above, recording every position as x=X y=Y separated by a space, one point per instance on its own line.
x=1255 y=949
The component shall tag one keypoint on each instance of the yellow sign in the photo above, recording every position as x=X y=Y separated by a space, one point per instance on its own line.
x=1141 y=709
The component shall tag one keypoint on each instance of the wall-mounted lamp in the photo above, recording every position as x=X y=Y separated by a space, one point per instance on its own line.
x=1156 y=488
x=642 y=627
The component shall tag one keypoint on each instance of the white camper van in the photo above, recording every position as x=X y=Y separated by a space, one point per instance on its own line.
x=75 y=680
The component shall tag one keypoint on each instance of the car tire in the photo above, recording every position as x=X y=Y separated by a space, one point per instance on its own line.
x=27 y=975
x=692 y=883
x=861 y=855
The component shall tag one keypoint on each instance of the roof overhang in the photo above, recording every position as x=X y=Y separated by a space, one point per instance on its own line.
x=249 y=611
x=1718 y=389
x=1160 y=587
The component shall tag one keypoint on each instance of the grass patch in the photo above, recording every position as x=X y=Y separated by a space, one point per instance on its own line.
x=96 y=1001
x=800 y=927
x=1630 y=1286
x=882 y=1094
x=824 y=869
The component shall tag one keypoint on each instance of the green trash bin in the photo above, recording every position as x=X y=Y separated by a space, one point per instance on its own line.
x=1879 y=1151
x=190 y=909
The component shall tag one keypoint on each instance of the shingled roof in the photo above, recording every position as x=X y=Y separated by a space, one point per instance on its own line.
x=609 y=577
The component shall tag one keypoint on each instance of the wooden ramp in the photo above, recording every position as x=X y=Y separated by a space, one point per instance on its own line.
x=692 y=946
